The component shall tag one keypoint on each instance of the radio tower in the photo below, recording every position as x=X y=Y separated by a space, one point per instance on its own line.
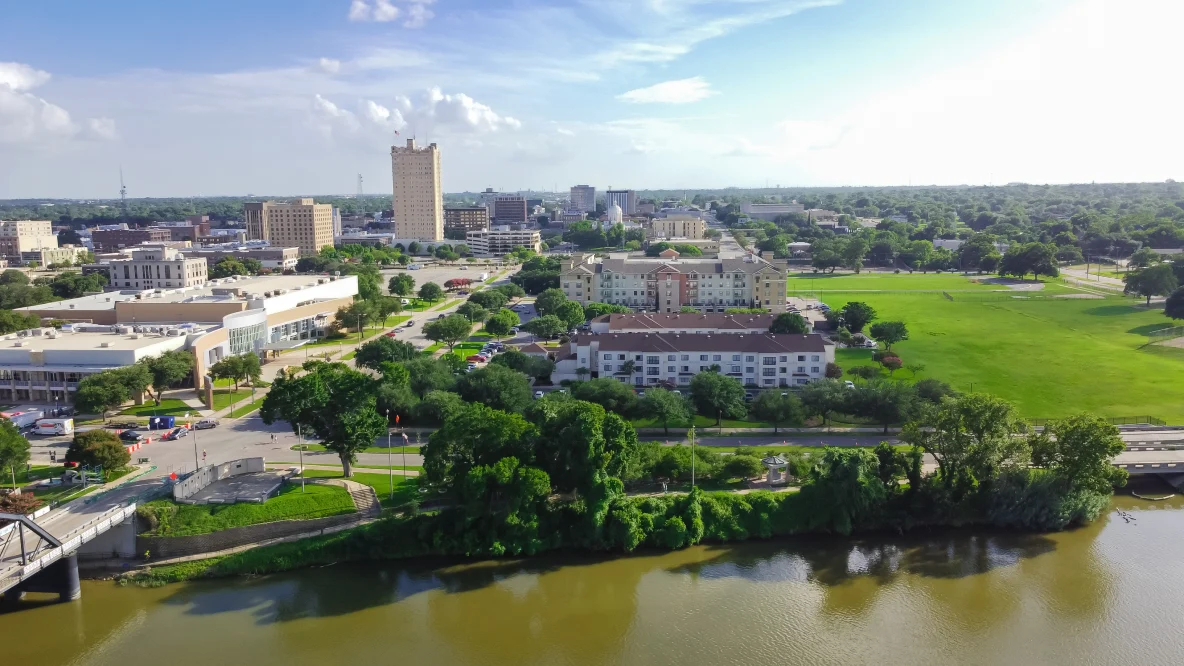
x=122 y=194
x=359 y=188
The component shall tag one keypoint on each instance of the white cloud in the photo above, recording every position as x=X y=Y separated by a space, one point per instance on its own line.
x=417 y=16
x=27 y=118
x=682 y=91
x=327 y=66
x=19 y=76
x=433 y=113
x=359 y=11
x=101 y=128
x=384 y=11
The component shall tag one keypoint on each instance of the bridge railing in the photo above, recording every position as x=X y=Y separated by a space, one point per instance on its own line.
x=70 y=542
x=1116 y=420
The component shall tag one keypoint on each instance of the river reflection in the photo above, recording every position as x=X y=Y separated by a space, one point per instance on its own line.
x=1095 y=595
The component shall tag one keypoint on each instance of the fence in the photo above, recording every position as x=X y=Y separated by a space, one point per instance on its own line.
x=1117 y=420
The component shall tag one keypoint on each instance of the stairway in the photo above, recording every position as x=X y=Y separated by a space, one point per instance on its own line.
x=365 y=500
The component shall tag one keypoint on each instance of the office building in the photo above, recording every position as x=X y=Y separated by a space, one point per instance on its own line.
x=759 y=361
x=418 y=201
x=48 y=256
x=226 y=235
x=159 y=267
x=300 y=223
x=583 y=198
x=677 y=226
x=770 y=212
x=497 y=242
x=509 y=209
x=113 y=240
x=20 y=236
x=626 y=199
x=469 y=218
x=274 y=258
x=667 y=283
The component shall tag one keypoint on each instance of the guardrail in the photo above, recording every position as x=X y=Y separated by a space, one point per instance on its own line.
x=71 y=541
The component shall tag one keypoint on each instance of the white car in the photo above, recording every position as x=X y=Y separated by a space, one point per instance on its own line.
x=849 y=384
x=538 y=394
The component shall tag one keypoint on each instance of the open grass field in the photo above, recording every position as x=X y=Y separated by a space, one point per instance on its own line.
x=406 y=488
x=888 y=282
x=1050 y=357
x=225 y=398
x=317 y=501
x=396 y=449
x=167 y=407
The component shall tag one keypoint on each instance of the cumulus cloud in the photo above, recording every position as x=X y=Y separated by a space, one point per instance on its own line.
x=682 y=91
x=434 y=112
x=385 y=11
x=27 y=118
x=417 y=15
x=327 y=66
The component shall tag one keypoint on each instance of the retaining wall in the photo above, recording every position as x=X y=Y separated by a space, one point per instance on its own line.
x=168 y=547
x=211 y=473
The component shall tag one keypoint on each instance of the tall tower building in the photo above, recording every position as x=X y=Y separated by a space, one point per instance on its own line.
x=583 y=198
x=626 y=199
x=418 y=201
x=300 y=223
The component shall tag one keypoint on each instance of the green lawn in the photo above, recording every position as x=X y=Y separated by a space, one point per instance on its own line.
x=246 y=408
x=705 y=423
x=447 y=304
x=467 y=349
x=223 y=399
x=35 y=473
x=1051 y=357
x=411 y=448
x=888 y=282
x=317 y=501
x=350 y=355
x=406 y=489
x=167 y=407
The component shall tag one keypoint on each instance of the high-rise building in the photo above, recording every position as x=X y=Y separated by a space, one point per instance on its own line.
x=583 y=198
x=300 y=223
x=110 y=240
x=509 y=209
x=418 y=201
x=19 y=236
x=468 y=218
x=626 y=199
x=487 y=198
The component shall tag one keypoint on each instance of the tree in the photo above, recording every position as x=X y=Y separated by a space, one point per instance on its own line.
x=594 y=310
x=499 y=323
x=168 y=369
x=889 y=332
x=844 y=490
x=510 y=291
x=1143 y=257
x=914 y=368
x=739 y=466
x=430 y=292
x=331 y=403
x=495 y=386
x=11 y=321
x=237 y=368
x=402 y=284
x=778 y=409
x=825 y=397
x=413 y=248
x=714 y=394
x=384 y=307
x=571 y=312
x=855 y=315
x=427 y=374
x=972 y=438
x=12 y=276
x=357 y=314
x=449 y=330
x=98 y=448
x=384 y=349
x=883 y=401
x=476 y=435
x=473 y=312
x=789 y=322
x=1174 y=306
x=1080 y=451
x=547 y=326
x=438 y=406
x=609 y=393
x=528 y=364
x=226 y=267
x=14 y=448
x=490 y=299
x=864 y=372
x=665 y=407
x=891 y=363
x=933 y=390
x=99 y=393
x=833 y=371
x=853 y=252
x=549 y=301
x=1159 y=280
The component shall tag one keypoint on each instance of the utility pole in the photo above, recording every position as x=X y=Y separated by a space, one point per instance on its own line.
x=300 y=437
x=122 y=195
x=692 y=457
x=389 y=465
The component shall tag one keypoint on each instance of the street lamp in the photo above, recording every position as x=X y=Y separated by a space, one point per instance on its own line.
x=389 y=466
x=300 y=437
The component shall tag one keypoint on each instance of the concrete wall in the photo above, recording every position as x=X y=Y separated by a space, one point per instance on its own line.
x=167 y=547
x=211 y=473
x=161 y=312
x=119 y=541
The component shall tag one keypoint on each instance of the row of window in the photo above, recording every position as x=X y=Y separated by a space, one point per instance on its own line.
x=769 y=360
x=735 y=369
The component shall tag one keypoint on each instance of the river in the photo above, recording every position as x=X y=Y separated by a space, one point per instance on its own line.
x=1106 y=594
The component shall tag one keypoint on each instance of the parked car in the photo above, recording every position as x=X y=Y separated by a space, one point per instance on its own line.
x=410 y=324
x=870 y=344
x=175 y=434
x=131 y=436
x=389 y=334
x=205 y=424
x=475 y=358
x=538 y=394
x=849 y=384
x=405 y=301
x=471 y=367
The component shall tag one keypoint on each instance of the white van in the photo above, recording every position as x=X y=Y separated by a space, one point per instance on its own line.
x=55 y=427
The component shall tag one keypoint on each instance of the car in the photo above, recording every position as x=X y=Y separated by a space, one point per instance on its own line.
x=464 y=268
x=175 y=434
x=515 y=330
x=562 y=391
x=849 y=384
x=471 y=367
x=131 y=436
x=462 y=292
x=870 y=344
x=538 y=394
x=205 y=424
x=641 y=393
x=676 y=392
x=475 y=358
x=409 y=324
x=784 y=394
x=405 y=301
x=389 y=334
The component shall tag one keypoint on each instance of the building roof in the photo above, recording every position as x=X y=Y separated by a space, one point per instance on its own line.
x=757 y=343
x=618 y=264
x=656 y=321
x=212 y=291
x=533 y=348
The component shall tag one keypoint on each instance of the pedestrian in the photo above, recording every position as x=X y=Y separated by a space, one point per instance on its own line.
x=203 y=455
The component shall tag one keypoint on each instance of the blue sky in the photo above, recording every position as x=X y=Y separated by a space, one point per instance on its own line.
x=299 y=96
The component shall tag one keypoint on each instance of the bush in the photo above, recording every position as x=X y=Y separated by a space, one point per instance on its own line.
x=98 y=448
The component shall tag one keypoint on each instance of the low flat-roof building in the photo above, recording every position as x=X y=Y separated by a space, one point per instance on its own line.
x=497 y=242
x=275 y=258
x=677 y=226
x=112 y=240
x=47 y=256
x=157 y=267
x=20 y=236
x=682 y=323
x=770 y=212
x=762 y=361
x=470 y=218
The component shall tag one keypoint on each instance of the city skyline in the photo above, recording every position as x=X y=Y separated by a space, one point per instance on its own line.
x=656 y=94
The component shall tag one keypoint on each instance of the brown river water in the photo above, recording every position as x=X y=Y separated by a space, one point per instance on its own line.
x=1110 y=593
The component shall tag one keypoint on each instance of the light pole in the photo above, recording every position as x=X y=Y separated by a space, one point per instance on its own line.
x=300 y=437
x=389 y=465
x=195 y=465
x=692 y=456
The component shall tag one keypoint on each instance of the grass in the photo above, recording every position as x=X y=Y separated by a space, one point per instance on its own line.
x=888 y=282
x=406 y=489
x=356 y=468
x=167 y=407
x=246 y=409
x=318 y=501
x=25 y=477
x=1051 y=358
x=705 y=423
x=223 y=399
x=467 y=349
x=411 y=448
x=447 y=304
x=350 y=355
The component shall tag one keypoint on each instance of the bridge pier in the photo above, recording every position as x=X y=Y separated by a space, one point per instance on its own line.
x=59 y=578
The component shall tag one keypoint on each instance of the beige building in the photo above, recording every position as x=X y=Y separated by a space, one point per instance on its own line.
x=19 y=236
x=300 y=223
x=677 y=226
x=418 y=201
x=48 y=256
x=496 y=242
x=668 y=283
x=157 y=268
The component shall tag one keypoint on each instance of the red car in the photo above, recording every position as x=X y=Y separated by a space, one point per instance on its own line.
x=476 y=358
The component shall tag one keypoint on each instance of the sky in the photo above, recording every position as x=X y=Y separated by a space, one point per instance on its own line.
x=288 y=97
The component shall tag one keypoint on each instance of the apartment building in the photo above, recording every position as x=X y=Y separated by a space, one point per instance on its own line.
x=770 y=212
x=300 y=223
x=20 y=236
x=47 y=256
x=583 y=198
x=667 y=283
x=497 y=242
x=469 y=218
x=682 y=323
x=113 y=240
x=418 y=200
x=626 y=199
x=760 y=360
x=677 y=226
x=275 y=258
x=159 y=267
x=510 y=209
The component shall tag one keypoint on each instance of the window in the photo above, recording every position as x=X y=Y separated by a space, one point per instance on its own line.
x=671 y=357
x=750 y=359
x=801 y=368
x=716 y=357
x=784 y=359
x=783 y=371
x=814 y=358
x=652 y=360
x=801 y=357
x=608 y=357
x=768 y=372
x=769 y=360
x=685 y=357
x=620 y=357
x=686 y=368
x=702 y=357
x=652 y=371
x=769 y=382
x=671 y=369
x=814 y=369
x=749 y=370
x=735 y=368
x=735 y=357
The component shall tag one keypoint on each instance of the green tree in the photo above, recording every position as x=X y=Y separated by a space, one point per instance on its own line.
x=430 y=292
x=571 y=312
x=1143 y=257
x=98 y=447
x=14 y=448
x=527 y=364
x=476 y=435
x=778 y=409
x=594 y=310
x=12 y=276
x=331 y=403
x=1159 y=280
x=227 y=267
x=237 y=368
x=789 y=322
x=548 y=302
x=824 y=398
x=357 y=314
x=889 y=332
x=665 y=407
x=609 y=393
x=844 y=490
x=384 y=307
x=1174 y=306
x=867 y=372
x=168 y=369
x=718 y=395
x=510 y=291
x=438 y=406
x=473 y=312
x=11 y=322
x=402 y=284
x=1080 y=451
x=427 y=374
x=972 y=437
x=739 y=466
x=449 y=330
x=100 y=393
x=384 y=349
x=499 y=323
x=489 y=299
x=495 y=386
x=547 y=326
x=855 y=315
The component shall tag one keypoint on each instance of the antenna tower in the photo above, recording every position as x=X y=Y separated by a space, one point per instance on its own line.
x=122 y=194
x=359 y=187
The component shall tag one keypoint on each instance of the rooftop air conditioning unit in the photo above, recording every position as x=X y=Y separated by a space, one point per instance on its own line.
x=135 y=336
x=123 y=330
x=19 y=343
x=72 y=305
x=105 y=345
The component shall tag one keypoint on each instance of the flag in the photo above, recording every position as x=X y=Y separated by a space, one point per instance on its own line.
x=396 y=132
